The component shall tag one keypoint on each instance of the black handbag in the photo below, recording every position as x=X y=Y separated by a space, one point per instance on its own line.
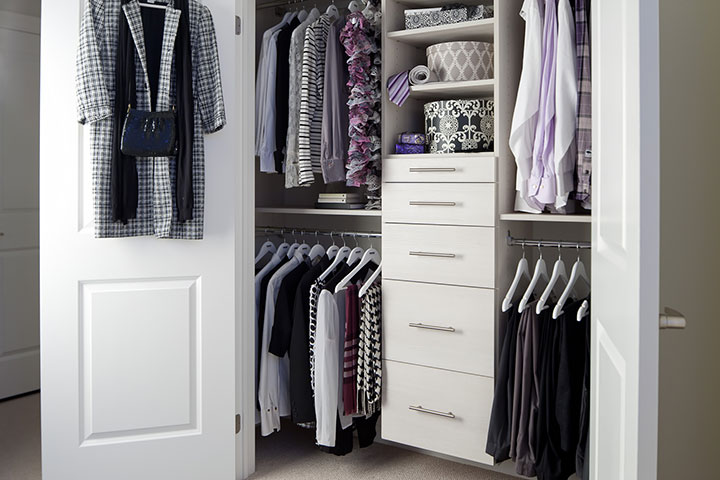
x=149 y=134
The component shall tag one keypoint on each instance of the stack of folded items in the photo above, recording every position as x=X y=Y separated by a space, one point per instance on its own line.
x=410 y=143
x=345 y=201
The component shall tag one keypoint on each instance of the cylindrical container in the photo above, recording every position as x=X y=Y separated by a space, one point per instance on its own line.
x=453 y=126
x=459 y=61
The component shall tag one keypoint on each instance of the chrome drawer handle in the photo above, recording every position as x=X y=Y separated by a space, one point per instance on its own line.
x=431 y=254
x=420 y=409
x=415 y=203
x=431 y=169
x=432 y=327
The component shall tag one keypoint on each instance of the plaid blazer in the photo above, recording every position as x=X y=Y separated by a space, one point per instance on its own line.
x=95 y=83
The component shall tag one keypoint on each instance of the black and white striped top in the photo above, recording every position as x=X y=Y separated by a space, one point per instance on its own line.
x=311 y=98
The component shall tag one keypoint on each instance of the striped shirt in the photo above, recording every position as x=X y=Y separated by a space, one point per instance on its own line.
x=311 y=98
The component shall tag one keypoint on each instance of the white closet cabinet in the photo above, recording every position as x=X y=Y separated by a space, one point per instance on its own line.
x=445 y=254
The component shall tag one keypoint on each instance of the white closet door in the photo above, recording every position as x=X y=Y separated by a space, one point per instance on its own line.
x=138 y=334
x=623 y=443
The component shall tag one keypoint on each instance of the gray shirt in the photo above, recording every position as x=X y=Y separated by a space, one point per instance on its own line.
x=334 y=138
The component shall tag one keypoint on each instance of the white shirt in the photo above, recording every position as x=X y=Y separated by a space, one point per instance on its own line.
x=566 y=95
x=274 y=260
x=261 y=87
x=274 y=389
x=327 y=364
x=525 y=116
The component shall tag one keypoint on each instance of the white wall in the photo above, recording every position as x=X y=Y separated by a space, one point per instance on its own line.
x=689 y=420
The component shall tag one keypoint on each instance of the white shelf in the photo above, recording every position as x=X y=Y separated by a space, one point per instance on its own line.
x=319 y=211
x=465 y=89
x=475 y=30
x=438 y=156
x=545 y=217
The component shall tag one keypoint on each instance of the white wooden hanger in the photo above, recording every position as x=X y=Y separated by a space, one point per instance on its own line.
x=367 y=11
x=522 y=271
x=341 y=256
x=354 y=6
x=283 y=248
x=304 y=248
x=267 y=247
x=540 y=273
x=559 y=273
x=317 y=250
x=333 y=249
x=578 y=273
x=371 y=255
x=152 y=5
x=332 y=10
x=356 y=253
x=294 y=246
x=583 y=310
x=370 y=281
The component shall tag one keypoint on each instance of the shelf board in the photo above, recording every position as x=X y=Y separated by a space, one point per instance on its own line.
x=319 y=211
x=464 y=89
x=545 y=217
x=474 y=30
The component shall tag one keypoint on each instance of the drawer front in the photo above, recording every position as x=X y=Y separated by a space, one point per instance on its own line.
x=437 y=410
x=440 y=203
x=439 y=168
x=439 y=326
x=439 y=254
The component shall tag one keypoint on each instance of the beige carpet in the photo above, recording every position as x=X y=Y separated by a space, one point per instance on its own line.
x=20 y=438
x=290 y=454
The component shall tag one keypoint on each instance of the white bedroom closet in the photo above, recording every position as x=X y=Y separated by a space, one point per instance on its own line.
x=450 y=232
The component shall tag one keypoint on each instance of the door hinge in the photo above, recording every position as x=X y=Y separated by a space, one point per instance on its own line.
x=238 y=423
x=238 y=25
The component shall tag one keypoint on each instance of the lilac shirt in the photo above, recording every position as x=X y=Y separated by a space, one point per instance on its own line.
x=541 y=184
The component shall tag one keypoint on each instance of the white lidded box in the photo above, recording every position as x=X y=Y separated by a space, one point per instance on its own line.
x=459 y=61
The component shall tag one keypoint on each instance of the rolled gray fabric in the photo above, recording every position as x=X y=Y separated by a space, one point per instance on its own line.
x=421 y=75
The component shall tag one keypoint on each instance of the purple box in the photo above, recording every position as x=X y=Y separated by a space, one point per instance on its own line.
x=409 y=148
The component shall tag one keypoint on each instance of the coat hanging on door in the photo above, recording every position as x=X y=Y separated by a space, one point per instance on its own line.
x=157 y=212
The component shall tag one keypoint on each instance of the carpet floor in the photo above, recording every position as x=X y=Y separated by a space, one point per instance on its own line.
x=289 y=454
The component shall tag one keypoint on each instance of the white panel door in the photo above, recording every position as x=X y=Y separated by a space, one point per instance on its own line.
x=19 y=271
x=624 y=407
x=137 y=335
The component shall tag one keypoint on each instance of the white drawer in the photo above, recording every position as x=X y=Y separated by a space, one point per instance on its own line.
x=440 y=203
x=437 y=410
x=463 y=168
x=439 y=326
x=439 y=254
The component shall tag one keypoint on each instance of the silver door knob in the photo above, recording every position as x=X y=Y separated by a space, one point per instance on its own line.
x=672 y=319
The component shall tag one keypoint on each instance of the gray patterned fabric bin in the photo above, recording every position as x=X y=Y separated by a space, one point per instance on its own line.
x=459 y=61
x=431 y=17
x=460 y=125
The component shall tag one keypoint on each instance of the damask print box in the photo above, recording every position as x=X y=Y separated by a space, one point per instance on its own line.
x=453 y=126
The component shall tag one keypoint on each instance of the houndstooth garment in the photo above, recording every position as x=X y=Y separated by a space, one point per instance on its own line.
x=369 y=368
x=95 y=81
x=315 y=290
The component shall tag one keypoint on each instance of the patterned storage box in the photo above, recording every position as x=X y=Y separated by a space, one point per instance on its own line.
x=430 y=17
x=460 y=126
x=458 y=61
x=480 y=12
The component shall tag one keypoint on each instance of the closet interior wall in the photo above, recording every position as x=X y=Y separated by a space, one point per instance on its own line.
x=277 y=206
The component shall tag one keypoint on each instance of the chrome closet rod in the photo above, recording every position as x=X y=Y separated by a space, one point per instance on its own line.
x=312 y=232
x=525 y=242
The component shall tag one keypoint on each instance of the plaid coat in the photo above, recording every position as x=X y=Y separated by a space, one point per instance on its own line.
x=95 y=80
